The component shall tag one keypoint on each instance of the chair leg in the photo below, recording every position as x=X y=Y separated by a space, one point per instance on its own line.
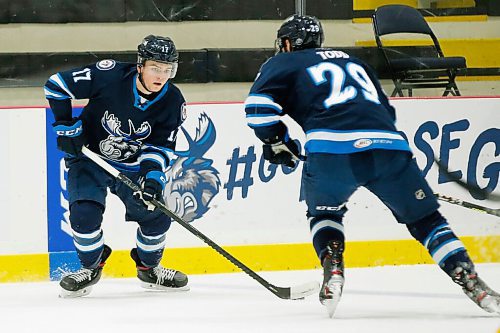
x=397 y=89
x=452 y=85
x=410 y=92
x=455 y=88
x=452 y=89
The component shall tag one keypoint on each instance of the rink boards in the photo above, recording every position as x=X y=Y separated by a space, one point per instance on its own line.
x=249 y=207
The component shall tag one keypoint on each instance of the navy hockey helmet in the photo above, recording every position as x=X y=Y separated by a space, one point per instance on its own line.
x=158 y=48
x=303 y=32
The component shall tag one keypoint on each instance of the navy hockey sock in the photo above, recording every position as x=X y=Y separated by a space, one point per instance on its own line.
x=446 y=249
x=150 y=248
x=323 y=230
x=86 y=219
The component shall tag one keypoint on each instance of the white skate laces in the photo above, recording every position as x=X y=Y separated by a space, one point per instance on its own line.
x=81 y=275
x=163 y=274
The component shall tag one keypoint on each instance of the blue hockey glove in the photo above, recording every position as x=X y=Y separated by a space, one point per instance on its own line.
x=286 y=153
x=70 y=138
x=151 y=188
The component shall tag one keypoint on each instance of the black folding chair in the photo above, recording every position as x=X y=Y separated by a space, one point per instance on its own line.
x=414 y=67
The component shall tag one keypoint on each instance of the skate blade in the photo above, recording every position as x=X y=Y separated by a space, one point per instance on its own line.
x=75 y=294
x=491 y=304
x=153 y=286
x=331 y=303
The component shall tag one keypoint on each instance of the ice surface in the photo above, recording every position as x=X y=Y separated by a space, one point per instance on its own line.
x=381 y=299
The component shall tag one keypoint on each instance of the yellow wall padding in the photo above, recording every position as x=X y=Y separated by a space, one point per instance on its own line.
x=277 y=257
x=450 y=18
x=372 y=4
x=24 y=267
x=453 y=3
x=270 y=257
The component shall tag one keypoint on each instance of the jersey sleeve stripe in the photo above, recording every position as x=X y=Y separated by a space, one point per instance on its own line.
x=167 y=153
x=51 y=94
x=262 y=120
x=155 y=157
x=58 y=81
x=264 y=124
x=257 y=100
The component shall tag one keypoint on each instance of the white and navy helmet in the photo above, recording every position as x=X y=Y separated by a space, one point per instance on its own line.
x=158 y=48
x=303 y=32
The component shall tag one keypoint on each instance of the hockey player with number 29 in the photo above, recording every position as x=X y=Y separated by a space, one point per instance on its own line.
x=131 y=120
x=351 y=141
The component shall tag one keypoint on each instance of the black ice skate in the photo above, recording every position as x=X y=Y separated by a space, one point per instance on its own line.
x=333 y=276
x=159 y=277
x=80 y=283
x=475 y=288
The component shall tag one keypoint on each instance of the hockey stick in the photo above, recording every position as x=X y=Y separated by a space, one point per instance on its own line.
x=295 y=292
x=491 y=211
x=482 y=193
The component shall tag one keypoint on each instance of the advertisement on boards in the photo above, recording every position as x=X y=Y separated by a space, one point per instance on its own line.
x=220 y=182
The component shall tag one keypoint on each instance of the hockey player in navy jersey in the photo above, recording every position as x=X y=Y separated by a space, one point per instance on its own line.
x=351 y=141
x=131 y=120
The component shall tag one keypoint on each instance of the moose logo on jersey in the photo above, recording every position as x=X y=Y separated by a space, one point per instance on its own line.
x=192 y=180
x=119 y=145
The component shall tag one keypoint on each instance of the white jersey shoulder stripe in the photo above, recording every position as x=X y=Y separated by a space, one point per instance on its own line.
x=57 y=80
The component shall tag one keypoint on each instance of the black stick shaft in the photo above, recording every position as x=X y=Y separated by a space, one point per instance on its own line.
x=200 y=235
x=459 y=202
x=278 y=291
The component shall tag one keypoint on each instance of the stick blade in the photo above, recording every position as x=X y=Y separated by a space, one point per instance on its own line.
x=303 y=290
x=295 y=292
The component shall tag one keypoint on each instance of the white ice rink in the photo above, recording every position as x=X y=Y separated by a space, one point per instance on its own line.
x=383 y=299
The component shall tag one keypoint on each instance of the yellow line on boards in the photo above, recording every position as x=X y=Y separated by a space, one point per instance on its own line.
x=452 y=18
x=479 y=78
x=24 y=267
x=269 y=257
x=277 y=257
x=372 y=4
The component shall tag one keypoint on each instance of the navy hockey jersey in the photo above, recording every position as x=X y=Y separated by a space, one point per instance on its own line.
x=118 y=123
x=335 y=98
